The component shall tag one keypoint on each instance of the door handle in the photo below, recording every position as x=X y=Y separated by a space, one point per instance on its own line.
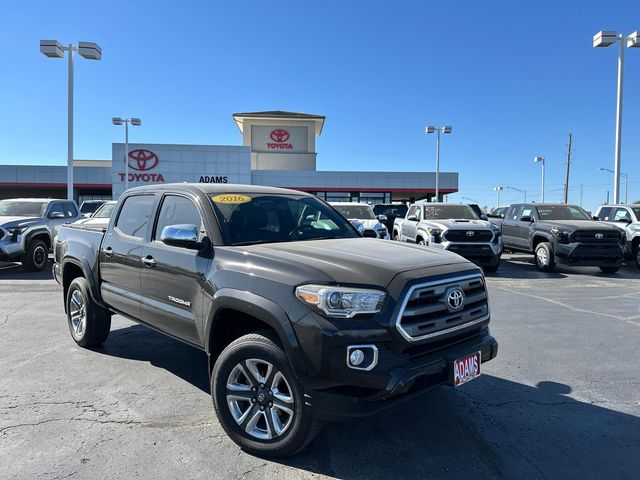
x=148 y=261
x=108 y=252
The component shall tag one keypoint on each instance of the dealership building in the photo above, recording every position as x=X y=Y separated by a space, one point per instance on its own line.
x=278 y=149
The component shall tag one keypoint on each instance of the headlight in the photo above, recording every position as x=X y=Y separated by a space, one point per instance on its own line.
x=435 y=233
x=341 y=301
x=360 y=228
x=563 y=237
x=16 y=230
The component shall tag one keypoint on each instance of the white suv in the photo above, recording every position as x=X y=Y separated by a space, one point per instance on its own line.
x=362 y=212
x=627 y=217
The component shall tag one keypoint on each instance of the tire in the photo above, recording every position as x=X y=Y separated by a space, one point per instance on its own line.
x=543 y=258
x=89 y=323
x=395 y=236
x=491 y=268
x=36 y=257
x=609 y=269
x=422 y=242
x=244 y=364
x=636 y=256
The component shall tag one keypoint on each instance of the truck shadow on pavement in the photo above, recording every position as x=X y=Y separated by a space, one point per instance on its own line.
x=490 y=428
x=14 y=271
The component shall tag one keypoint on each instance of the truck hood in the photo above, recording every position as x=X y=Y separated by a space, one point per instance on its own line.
x=364 y=261
x=574 y=225
x=7 y=222
x=453 y=224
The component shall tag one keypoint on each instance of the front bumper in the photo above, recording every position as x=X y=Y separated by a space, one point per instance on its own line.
x=588 y=255
x=10 y=250
x=483 y=254
x=403 y=382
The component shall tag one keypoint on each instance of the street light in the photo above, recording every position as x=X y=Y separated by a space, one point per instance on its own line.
x=626 y=182
x=540 y=160
x=521 y=191
x=126 y=121
x=498 y=189
x=605 y=39
x=90 y=51
x=445 y=129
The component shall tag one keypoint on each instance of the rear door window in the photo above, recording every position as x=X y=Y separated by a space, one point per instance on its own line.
x=134 y=215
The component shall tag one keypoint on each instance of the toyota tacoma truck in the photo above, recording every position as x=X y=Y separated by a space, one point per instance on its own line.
x=451 y=227
x=363 y=213
x=303 y=320
x=28 y=226
x=626 y=217
x=560 y=233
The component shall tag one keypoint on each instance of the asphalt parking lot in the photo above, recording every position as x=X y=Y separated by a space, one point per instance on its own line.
x=562 y=400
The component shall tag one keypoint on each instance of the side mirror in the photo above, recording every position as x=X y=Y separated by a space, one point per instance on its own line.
x=596 y=218
x=185 y=236
x=412 y=218
x=484 y=217
x=56 y=215
x=526 y=218
x=382 y=218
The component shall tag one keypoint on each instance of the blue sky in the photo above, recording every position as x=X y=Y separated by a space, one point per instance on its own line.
x=513 y=78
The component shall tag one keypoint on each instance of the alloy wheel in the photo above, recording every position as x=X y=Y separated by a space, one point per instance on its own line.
x=39 y=256
x=78 y=313
x=260 y=399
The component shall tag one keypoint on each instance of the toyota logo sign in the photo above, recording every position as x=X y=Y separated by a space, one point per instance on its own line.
x=599 y=236
x=470 y=233
x=455 y=299
x=142 y=160
x=279 y=135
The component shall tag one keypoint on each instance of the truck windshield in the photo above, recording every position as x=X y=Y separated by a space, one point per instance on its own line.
x=105 y=210
x=247 y=219
x=562 y=212
x=13 y=208
x=443 y=212
x=391 y=210
x=363 y=212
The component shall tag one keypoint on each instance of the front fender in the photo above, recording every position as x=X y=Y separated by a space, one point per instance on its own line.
x=262 y=309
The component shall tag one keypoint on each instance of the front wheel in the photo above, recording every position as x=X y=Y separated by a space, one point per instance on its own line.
x=259 y=400
x=609 y=269
x=544 y=259
x=636 y=256
x=36 y=257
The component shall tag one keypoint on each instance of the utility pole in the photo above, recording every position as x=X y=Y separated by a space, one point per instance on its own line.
x=566 y=179
x=581 y=185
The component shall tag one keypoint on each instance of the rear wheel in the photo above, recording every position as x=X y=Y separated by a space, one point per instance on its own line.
x=492 y=268
x=395 y=236
x=422 y=242
x=36 y=257
x=609 y=269
x=89 y=323
x=259 y=400
x=544 y=257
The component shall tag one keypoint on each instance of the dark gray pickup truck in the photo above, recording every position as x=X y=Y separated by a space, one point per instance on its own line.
x=556 y=232
x=302 y=319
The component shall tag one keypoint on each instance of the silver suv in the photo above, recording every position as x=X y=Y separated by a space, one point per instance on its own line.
x=27 y=228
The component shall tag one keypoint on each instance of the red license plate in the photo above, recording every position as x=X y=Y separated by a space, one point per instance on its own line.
x=466 y=369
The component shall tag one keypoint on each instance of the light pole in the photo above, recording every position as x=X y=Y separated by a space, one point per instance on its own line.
x=626 y=182
x=521 y=191
x=126 y=121
x=540 y=160
x=498 y=189
x=606 y=39
x=445 y=129
x=54 y=49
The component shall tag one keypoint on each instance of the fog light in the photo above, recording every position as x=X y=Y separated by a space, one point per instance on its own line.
x=356 y=357
x=362 y=357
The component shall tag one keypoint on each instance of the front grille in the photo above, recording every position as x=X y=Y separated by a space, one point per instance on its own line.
x=382 y=232
x=465 y=235
x=369 y=234
x=586 y=236
x=471 y=250
x=424 y=312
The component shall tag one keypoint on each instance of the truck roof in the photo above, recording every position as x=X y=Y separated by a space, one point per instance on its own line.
x=35 y=199
x=209 y=188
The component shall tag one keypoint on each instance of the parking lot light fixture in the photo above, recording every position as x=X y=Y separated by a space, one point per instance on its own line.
x=521 y=191
x=606 y=39
x=541 y=161
x=438 y=130
x=88 y=50
x=626 y=182
x=498 y=189
x=135 y=121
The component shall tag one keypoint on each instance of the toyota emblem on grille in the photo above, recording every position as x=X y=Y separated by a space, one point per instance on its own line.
x=599 y=236
x=455 y=299
x=470 y=233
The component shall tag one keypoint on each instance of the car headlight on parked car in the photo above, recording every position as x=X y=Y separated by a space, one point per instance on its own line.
x=435 y=233
x=342 y=302
x=15 y=231
x=562 y=236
